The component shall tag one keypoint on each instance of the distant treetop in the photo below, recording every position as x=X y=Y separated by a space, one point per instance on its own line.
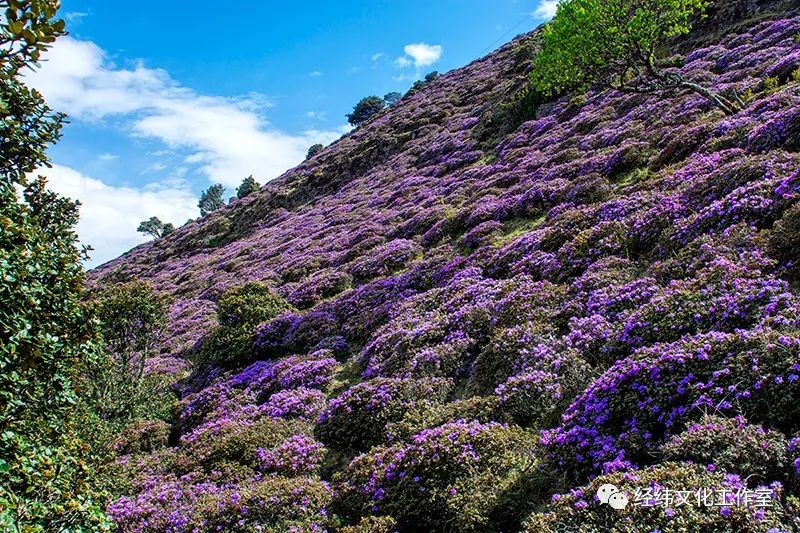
x=365 y=109
x=313 y=150
x=211 y=199
x=248 y=186
x=155 y=228
x=392 y=98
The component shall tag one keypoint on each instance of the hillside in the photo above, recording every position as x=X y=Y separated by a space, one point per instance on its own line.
x=487 y=325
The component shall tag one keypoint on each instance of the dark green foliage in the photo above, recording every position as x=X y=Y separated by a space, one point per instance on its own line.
x=211 y=199
x=133 y=318
x=372 y=524
x=47 y=335
x=392 y=98
x=313 y=150
x=239 y=443
x=146 y=436
x=27 y=124
x=509 y=115
x=239 y=311
x=248 y=186
x=365 y=109
x=281 y=503
x=47 y=339
x=430 y=76
x=155 y=228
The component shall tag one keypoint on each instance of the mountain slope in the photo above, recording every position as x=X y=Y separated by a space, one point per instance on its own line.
x=608 y=272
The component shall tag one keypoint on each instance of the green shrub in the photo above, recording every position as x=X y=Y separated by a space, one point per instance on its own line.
x=770 y=85
x=580 y=510
x=133 y=318
x=248 y=186
x=239 y=442
x=372 y=524
x=732 y=445
x=591 y=42
x=356 y=419
x=145 y=436
x=272 y=504
x=464 y=476
x=239 y=310
x=313 y=150
x=535 y=398
x=429 y=415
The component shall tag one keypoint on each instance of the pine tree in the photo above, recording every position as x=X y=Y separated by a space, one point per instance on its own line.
x=248 y=186
x=211 y=199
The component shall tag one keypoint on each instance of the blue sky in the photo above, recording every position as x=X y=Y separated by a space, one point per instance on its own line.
x=166 y=98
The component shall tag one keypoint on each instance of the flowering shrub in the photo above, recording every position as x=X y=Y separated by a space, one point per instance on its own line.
x=427 y=415
x=179 y=507
x=385 y=259
x=212 y=402
x=732 y=445
x=722 y=297
x=263 y=378
x=297 y=455
x=580 y=510
x=533 y=398
x=464 y=475
x=319 y=286
x=302 y=403
x=626 y=413
x=793 y=452
x=241 y=442
x=356 y=419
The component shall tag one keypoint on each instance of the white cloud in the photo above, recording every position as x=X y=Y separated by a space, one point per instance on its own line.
x=403 y=62
x=546 y=9
x=154 y=167
x=378 y=56
x=107 y=156
x=75 y=16
x=420 y=55
x=316 y=115
x=315 y=74
x=229 y=137
x=110 y=215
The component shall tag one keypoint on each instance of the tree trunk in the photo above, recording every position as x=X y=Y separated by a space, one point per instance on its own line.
x=727 y=106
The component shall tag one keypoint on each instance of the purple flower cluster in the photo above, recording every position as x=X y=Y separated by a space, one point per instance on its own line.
x=302 y=403
x=298 y=455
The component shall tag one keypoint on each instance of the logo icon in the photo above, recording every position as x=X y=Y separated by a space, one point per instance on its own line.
x=611 y=495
